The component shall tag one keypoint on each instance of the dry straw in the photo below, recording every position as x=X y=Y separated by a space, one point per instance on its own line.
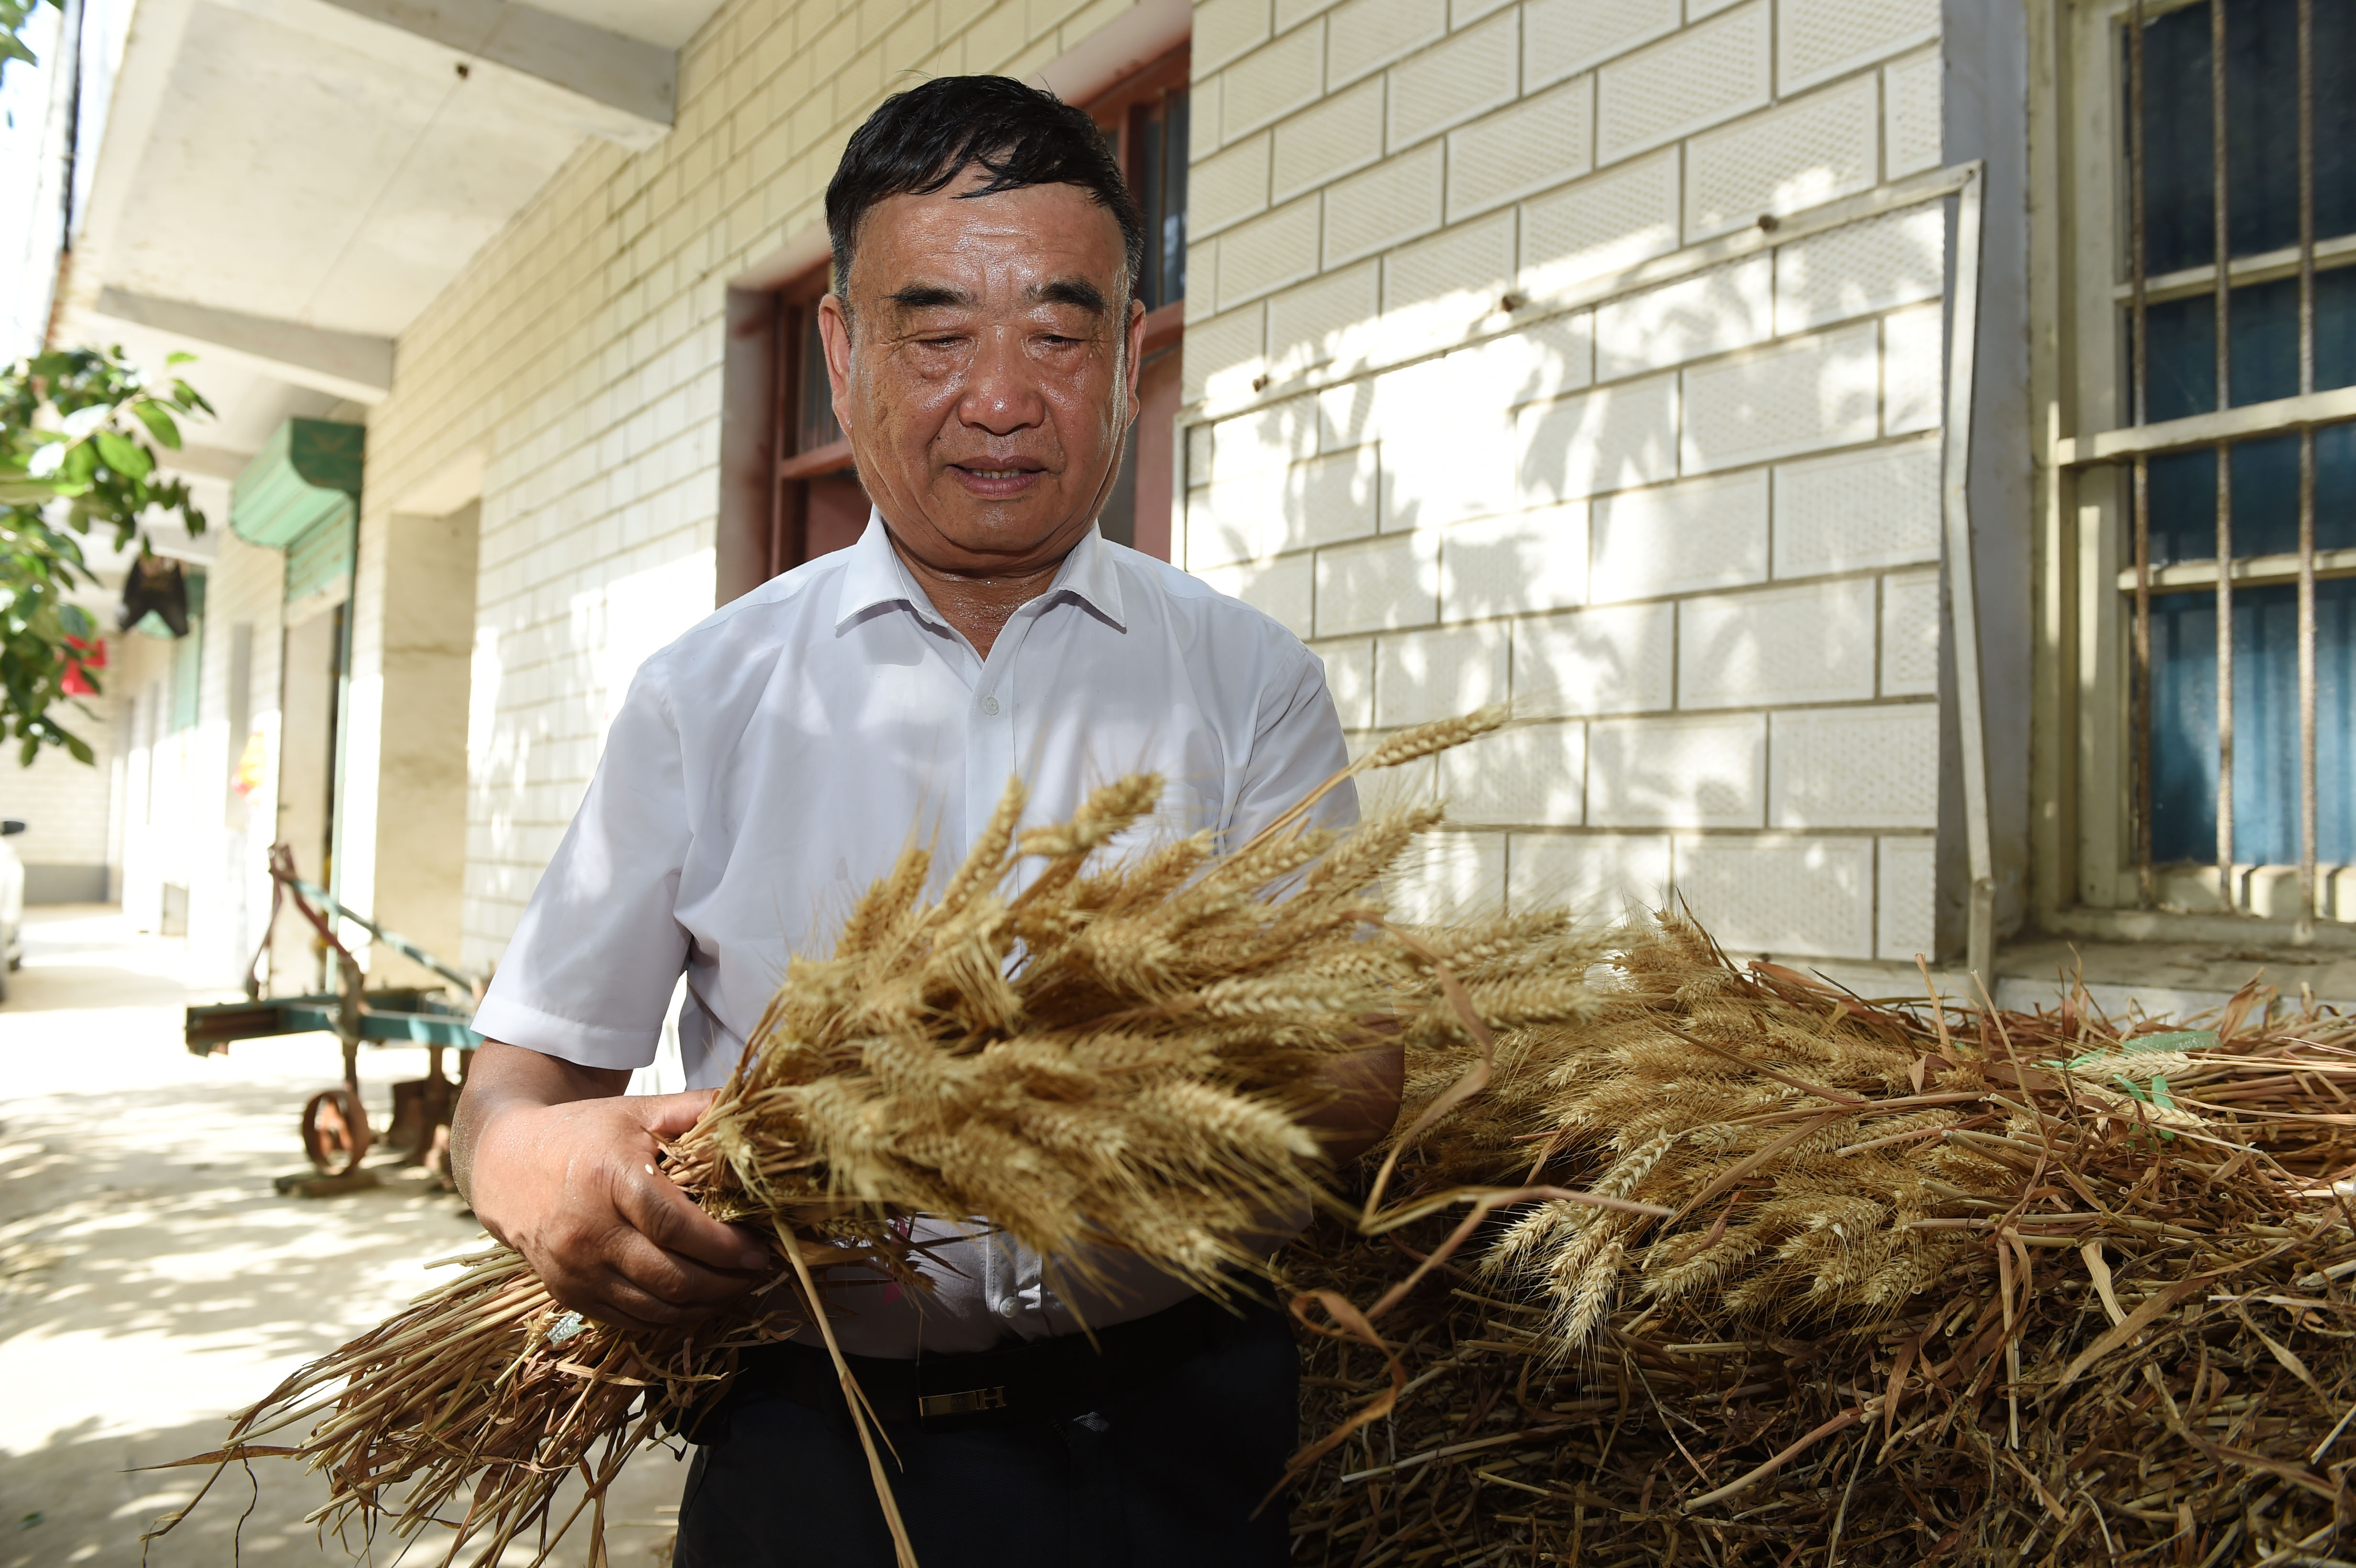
x=1668 y=1262
x=1940 y=1283
x=1094 y=1056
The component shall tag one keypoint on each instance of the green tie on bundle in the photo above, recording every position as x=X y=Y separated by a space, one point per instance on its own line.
x=1668 y=1261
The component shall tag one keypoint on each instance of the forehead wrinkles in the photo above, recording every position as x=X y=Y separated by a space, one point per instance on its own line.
x=990 y=245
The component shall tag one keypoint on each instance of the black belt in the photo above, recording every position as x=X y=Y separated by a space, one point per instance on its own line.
x=1040 y=1380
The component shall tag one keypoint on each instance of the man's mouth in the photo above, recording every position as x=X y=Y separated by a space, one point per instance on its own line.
x=998 y=481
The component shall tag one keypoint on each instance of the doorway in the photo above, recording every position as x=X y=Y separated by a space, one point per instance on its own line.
x=309 y=703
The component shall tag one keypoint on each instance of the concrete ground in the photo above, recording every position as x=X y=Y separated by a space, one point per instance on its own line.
x=152 y=1282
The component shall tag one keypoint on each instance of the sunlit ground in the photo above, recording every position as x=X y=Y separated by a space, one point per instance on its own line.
x=151 y=1280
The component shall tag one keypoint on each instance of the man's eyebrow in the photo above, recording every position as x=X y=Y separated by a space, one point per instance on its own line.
x=927 y=296
x=1077 y=291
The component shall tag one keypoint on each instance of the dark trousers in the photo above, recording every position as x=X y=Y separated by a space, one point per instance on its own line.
x=1168 y=1473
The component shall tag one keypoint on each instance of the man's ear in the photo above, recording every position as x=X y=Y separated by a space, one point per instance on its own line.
x=1135 y=357
x=834 y=333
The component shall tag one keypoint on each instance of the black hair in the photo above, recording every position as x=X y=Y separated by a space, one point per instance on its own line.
x=918 y=141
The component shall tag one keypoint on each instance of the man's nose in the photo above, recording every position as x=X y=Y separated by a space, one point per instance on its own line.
x=1000 y=396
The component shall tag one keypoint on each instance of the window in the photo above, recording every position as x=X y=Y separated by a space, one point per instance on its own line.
x=2215 y=463
x=816 y=503
x=819 y=505
x=1144 y=118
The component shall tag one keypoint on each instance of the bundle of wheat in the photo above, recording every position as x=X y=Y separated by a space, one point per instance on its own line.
x=1099 y=1058
x=1937 y=1283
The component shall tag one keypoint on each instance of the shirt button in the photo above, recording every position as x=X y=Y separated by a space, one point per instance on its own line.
x=989 y=706
x=1009 y=1308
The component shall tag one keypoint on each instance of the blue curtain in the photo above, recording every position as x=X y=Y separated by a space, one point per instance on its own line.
x=2265 y=725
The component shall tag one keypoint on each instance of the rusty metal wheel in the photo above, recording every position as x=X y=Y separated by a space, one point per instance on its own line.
x=335 y=1130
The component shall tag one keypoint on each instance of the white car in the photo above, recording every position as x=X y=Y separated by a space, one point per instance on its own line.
x=12 y=902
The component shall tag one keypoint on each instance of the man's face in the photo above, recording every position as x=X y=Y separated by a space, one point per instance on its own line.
x=987 y=372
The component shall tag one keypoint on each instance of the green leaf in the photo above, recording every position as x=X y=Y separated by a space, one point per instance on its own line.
x=124 y=455
x=159 y=423
x=13 y=49
x=178 y=357
x=84 y=420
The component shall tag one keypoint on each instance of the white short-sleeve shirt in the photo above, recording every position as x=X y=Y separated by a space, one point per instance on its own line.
x=771 y=764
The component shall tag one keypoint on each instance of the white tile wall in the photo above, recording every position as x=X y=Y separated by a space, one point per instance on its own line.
x=1423 y=675
x=1528 y=148
x=1854 y=767
x=1367 y=35
x=1620 y=660
x=1805 y=897
x=1610 y=220
x=1907 y=919
x=1910 y=106
x=1777 y=646
x=1861 y=268
x=1673 y=527
x=1515 y=565
x=1459 y=80
x=1341 y=136
x=1706 y=770
x=1912 y=622
x=1386 y=206
x=1698 y=77
x=1608 y=438
x=1528 y=775
x=1819 y=39
x=1570 y=36
x=1803 y=396
x=1682 y=538
x=1281 y=587
x=1709 y=312
x=1602 y=875
x=1378 y=585
x=1350 y=677
x=1875 y=506
x=1914 y=386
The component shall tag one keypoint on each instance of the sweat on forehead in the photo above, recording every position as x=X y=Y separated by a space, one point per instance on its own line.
x=920 y=142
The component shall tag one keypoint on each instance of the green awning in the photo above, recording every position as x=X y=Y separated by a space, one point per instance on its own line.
x=301 y=495
x=309 y=472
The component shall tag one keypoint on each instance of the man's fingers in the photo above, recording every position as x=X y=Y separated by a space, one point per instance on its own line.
x=667 y=1115
x=669 y=1278
x=618 y=1302
x=669 y=1218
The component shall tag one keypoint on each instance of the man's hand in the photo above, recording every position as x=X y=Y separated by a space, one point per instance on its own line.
x=1364 y=1102
x=562 y=1166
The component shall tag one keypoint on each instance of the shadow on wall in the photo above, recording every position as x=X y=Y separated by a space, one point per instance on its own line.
x=1652 y=525
x=549 y=675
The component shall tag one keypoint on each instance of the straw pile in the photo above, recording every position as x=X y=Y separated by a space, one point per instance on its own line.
x=1668 y=1262
x=1939 y=1285
x=1102 y=1057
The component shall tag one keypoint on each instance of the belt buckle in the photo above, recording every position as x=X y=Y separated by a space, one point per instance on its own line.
x=971 y=1400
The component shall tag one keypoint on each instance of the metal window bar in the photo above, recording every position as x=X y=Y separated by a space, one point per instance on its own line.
x=2138 y=413
x=2219 y=434
x=2308 y=826
x=2225 y=305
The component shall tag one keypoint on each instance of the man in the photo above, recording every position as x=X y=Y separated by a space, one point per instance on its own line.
x=982 y=343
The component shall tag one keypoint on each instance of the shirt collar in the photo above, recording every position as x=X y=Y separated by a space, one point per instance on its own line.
x=875 y=574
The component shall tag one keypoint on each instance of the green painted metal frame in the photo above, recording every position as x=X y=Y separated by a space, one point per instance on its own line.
x=387 y=1017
